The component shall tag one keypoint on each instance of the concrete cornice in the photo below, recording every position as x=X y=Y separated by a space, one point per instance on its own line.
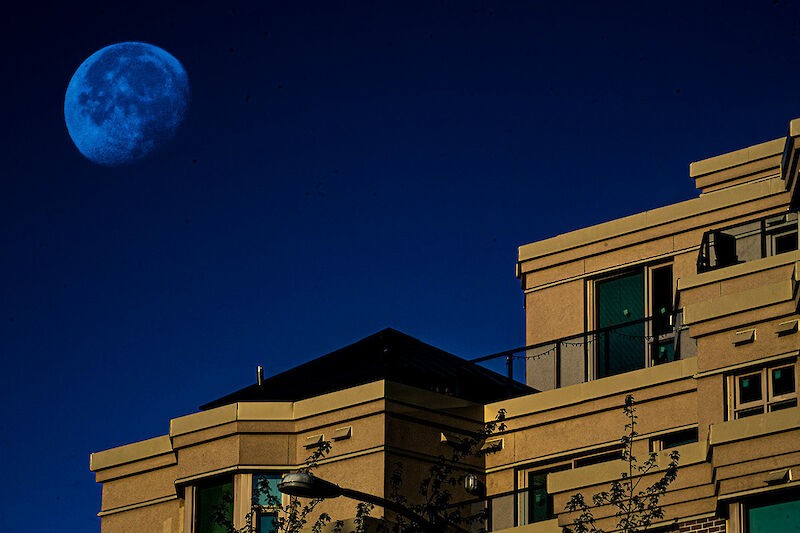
x=277 y=411
x=717 y=200
x=577 y=478
x=593 y=390
x=729 y=304
x=130 y=452
x=755 y=426
x=737 y=158
x=736 y=271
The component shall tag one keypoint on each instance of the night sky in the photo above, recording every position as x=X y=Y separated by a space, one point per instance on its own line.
x=343 y=167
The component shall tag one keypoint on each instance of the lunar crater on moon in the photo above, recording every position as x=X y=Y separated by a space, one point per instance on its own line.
x=125 y=102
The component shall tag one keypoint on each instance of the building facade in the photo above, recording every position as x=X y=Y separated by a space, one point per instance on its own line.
x=692 y=308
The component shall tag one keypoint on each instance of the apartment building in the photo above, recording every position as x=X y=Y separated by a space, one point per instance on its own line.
x=692 y=308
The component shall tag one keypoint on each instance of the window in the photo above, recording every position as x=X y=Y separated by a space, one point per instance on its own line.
x=671 y=440
x=213 y=505
x=540 y=503
x=596 y=458
x=633 y=314
x=772 y=514
x=763 y=390
x=781 y=234
x=536 y=504
x=267 y=499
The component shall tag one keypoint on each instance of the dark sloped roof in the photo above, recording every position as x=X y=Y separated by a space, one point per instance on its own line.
x=389 y=355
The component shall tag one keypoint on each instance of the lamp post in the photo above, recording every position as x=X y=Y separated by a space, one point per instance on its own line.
x=309 y=486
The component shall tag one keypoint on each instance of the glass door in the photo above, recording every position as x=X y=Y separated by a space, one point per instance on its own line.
x=619 y=300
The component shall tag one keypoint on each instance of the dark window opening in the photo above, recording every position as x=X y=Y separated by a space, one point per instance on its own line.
x=540 y=503
x=661 y=300
x=750 y=388
x=782 y=380
x=214 y=506
x=785 y=243
x=597 y=458
x=671 y=440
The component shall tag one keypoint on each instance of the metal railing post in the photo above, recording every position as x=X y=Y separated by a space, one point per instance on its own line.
x=557 y=369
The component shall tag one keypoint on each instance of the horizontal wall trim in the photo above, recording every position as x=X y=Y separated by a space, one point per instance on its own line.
x=737 y=271
x=129 y=453
x=137 y=505
x=563 y=455
x=740 y=302
x=746 y=364
x=285 y=468
x=752 y=427
x=736 y=158
x=586 y=476
x=589 y=391
x=715 y=201
x=760 y=490
x=279 y=411
x=602 y=271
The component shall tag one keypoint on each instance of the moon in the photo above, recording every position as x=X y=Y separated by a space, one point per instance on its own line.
x=124 y=102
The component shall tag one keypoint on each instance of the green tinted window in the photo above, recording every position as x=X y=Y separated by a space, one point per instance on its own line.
x=772 y=518
x=620 y=300
x=540 y=503
x=265 y=489
x=214 y=506
x=265 y=523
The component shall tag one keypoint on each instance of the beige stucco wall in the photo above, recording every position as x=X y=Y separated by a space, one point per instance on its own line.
x=387 y=423
x=164 y=517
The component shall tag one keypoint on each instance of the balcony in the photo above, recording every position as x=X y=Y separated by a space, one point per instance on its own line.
x=596 y=354
x=755 y=239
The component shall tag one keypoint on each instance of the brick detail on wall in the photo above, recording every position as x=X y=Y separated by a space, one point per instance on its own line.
x=704 y=525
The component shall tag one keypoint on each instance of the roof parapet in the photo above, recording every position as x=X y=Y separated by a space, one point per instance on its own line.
x=749 y=164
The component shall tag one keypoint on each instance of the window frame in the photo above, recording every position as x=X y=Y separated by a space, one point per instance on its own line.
x=653 y=339
x=739 y=511
x=674 y=438
x=193 y=499
x=258 y=509
x=557 y=464
x=769 y=400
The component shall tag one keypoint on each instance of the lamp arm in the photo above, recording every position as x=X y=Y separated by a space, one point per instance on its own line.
x=392 y=506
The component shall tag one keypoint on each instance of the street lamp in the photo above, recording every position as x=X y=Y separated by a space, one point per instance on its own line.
x=307 y=485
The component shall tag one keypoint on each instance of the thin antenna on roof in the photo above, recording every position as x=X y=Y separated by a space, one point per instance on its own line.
x=260 y=375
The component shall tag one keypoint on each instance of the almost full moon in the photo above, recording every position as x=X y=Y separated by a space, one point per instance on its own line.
x=125 y=102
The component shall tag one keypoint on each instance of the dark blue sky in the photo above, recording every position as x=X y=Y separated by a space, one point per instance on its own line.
x=344 y=167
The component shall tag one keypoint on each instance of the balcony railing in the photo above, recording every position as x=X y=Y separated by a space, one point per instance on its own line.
x=748 y=241
x=596 y=354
